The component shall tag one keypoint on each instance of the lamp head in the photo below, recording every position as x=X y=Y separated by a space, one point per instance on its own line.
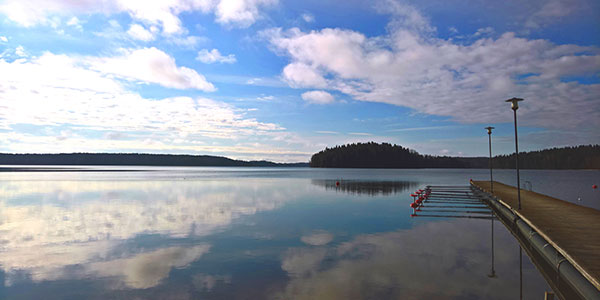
x=489 y=129
x=514 y=103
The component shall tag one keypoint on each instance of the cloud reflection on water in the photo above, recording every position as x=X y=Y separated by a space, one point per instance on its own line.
x=435 y=260
x=206 y=282
x=84 y=225
x=133 y=236
x=146 y=270
x=317 y=238
x=300 y=262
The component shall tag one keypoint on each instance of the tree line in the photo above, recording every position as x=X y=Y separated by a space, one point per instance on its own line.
x=385 y=155
x=133 y=159
x=374 y=155
x=357 y=155
x=576 y=157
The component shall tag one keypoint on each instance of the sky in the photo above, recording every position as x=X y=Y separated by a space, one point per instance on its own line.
x=280 y=80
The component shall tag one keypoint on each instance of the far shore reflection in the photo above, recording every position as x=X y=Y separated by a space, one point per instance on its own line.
x=371 y=188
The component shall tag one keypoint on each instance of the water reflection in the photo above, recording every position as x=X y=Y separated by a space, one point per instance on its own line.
x=371 y=188
x=206 y=282
x=317 y=238
x=493 y=270
x=441 y=260
x=79 y=229
x=146 y=270
x=241 y=238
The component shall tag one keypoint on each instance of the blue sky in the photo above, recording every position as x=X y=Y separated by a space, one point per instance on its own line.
x=281 y=80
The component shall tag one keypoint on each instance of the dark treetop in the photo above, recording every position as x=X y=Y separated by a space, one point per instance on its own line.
x=374 y=155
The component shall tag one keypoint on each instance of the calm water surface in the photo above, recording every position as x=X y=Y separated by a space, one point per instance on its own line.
x=241 y=233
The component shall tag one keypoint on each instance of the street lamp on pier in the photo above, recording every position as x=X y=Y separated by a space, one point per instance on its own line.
x=489 y=131
x=515 y=105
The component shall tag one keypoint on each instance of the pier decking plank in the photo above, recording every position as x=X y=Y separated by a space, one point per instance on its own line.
x=573 y=230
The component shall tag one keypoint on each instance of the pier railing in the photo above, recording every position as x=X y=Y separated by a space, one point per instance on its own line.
x=562 y=273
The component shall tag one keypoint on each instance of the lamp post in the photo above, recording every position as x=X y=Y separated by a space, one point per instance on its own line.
x=489 y=130
x=515 y=105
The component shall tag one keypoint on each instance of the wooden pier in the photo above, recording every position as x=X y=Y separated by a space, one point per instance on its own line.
x=572 y=230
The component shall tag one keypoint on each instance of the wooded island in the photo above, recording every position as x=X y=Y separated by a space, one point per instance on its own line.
x=375 y=155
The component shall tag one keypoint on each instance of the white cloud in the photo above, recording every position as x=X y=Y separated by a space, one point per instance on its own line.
x=241 y=13
x=337 y=49
x=94 y=104
x=190 y=41
x=165 y=14
x=114 y=24
x=301 y=75
x=408 y=67
x=140 y=33
x=213 y=56
x=318 y=97
x=549 y=12
x=404 y=16
x=115 y=135
x=216 y=141
x=422 y=128
x=148 y=33
x=150 y=65
x=20 y=51
x=75 y=22
x=483 y=31
x=265 y=98
x=3 y=38
x=33 y=92
x=308 y=18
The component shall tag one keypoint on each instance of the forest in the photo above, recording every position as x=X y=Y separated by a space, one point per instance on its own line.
x=385 y=155
x=134 y=159
x=577 y=157
x=357 y=155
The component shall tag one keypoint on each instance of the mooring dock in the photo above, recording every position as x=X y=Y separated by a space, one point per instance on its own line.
x=573 y=230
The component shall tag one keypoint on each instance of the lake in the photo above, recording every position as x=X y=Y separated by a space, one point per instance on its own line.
x=257 y=233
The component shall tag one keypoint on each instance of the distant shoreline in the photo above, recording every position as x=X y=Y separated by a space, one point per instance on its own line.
x=133 y=159
x=385 y=155
x=360 y=156
x=24 y=169
x=50 y=169
x=68 y=168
